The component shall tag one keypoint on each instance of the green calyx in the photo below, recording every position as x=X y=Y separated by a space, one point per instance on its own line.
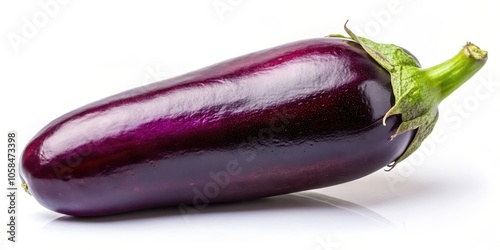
x=417 y=91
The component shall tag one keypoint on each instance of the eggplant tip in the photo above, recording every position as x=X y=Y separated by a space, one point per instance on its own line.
x=25 y=187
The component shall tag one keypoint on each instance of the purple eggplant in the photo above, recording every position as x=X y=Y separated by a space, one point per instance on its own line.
x=303 y=115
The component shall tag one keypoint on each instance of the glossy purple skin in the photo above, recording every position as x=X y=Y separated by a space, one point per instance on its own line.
x=299 y=116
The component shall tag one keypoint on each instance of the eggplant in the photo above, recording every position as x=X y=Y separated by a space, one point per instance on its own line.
x=299 y=116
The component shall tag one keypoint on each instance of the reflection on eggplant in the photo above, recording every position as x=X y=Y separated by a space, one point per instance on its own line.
x=299 y=208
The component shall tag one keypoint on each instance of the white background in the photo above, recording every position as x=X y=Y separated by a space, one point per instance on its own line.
x=445 y=196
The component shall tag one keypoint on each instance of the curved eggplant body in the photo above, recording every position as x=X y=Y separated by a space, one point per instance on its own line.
x=299 y=116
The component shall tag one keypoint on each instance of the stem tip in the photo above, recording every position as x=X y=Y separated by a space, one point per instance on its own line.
x=475 y=52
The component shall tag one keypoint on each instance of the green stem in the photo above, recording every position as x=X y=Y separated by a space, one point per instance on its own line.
x=418 y=92
x=451 y=74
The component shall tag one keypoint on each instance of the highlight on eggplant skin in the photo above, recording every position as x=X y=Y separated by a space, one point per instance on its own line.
x=299 y=116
